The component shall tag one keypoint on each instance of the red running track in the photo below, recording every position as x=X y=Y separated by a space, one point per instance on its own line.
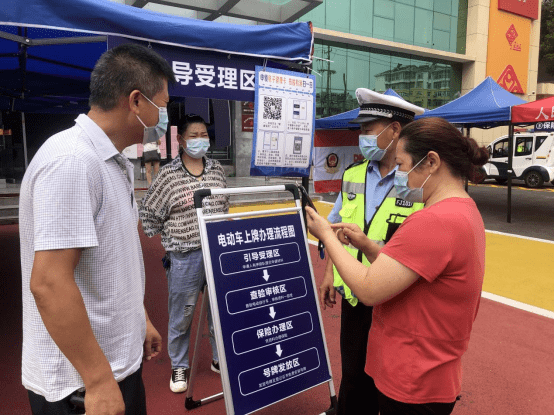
x=508 y=368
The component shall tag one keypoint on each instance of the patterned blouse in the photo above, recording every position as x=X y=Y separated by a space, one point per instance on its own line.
x=168 y=206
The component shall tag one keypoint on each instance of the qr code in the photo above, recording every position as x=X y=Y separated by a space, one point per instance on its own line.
x=272 y=108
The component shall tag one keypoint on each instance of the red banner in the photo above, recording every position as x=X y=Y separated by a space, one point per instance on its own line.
x=334 y=150
x=541 y=111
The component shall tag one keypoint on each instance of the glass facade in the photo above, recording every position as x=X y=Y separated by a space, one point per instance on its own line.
x=425 y=82
x=435 y=24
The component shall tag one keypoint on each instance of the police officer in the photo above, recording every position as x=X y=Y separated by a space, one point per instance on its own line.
x=368 y=199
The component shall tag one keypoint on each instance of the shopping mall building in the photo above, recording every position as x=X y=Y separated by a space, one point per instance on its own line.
x=428 y=51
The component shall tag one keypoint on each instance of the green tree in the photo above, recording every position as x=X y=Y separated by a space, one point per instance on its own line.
x=546 y=49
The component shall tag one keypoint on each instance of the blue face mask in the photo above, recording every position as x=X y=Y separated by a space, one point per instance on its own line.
x=152 y=134
x=197 y=148
x=403 y=190
x=369 y=148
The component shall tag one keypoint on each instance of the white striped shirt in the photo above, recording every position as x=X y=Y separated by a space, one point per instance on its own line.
x=78 y=193
x=168 y=206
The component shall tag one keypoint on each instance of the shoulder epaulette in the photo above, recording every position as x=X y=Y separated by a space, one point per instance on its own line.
x=355 y=164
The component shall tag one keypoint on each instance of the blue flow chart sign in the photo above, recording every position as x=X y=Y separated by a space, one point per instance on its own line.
x=270 y=324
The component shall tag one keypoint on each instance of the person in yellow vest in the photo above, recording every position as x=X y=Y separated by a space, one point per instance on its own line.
x=369 y=200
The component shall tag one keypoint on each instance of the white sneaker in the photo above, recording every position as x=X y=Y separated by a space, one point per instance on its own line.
x=178 y=382
x=215 y=367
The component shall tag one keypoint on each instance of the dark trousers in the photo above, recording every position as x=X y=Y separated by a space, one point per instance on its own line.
x=132 y=389
x=358 y=394
x=388 y=406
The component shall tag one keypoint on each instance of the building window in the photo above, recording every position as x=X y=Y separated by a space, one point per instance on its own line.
x=409 y=76
x=435 y=24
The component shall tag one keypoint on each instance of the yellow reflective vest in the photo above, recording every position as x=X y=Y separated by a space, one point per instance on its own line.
x=387 y=218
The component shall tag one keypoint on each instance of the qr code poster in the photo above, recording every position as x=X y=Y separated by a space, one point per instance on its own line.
x=271 y=110
x=283 y=123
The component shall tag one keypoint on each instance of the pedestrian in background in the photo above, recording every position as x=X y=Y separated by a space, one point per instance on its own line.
x=84 y=323
x=152 y=158
x=168 y=208
x=426 y=282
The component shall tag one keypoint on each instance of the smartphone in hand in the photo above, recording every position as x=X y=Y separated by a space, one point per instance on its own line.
x=307 y=198
x=310 y=203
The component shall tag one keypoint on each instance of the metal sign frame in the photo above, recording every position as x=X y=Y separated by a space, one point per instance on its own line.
x=210 y=293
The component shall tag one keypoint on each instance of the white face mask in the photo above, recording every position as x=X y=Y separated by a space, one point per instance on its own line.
x=369 y=148
x=197 y=148
x=152 y=134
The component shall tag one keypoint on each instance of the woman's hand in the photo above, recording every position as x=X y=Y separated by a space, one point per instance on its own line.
x=351 y=234
x=318 y=226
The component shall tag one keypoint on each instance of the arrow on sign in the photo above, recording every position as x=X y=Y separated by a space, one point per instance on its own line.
x=272 y=312
x=279 y=350
x=266 y=275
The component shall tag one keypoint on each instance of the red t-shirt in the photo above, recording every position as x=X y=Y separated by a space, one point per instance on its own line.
x=418 y=337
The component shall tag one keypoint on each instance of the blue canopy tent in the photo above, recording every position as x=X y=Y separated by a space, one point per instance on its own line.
x=487 y=105
x=340 y=121
x=48 y=47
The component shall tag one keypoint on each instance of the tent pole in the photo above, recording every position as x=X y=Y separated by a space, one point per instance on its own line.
x=467 y=180
x=306 y=181
x=510 y=170
x=24 y=140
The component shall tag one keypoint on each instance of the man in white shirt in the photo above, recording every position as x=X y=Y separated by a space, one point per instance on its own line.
x=84 y=324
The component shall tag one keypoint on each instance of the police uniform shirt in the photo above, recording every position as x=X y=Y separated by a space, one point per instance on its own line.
x=376 y=187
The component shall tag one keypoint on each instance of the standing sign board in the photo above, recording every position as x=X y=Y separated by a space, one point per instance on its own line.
x=284 y=119
x=263 y=299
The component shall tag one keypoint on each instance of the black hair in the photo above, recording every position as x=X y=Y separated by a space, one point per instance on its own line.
x=460 y=153
x=125 y=68
x=187 y=121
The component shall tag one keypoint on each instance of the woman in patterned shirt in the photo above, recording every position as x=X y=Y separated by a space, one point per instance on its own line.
x=168 y=208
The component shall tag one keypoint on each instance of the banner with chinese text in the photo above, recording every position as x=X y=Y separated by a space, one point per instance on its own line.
x=284 y=118
x=206 y=74
x=274 y=346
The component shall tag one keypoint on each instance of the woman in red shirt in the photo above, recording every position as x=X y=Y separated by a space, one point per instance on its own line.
x=426 y=282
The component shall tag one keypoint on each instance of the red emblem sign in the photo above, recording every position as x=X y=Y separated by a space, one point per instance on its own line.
x=508 y=80
x=511 y=35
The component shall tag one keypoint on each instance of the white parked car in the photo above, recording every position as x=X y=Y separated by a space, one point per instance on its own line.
x=533 y=159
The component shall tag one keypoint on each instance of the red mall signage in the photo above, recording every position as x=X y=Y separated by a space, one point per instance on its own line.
x=526 y=8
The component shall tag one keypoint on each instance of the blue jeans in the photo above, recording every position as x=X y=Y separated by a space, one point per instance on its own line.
x=185 y=279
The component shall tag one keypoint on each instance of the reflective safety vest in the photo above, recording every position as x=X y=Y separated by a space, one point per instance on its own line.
x=387 y=218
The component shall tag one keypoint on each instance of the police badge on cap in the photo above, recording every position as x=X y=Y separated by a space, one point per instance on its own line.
x=374 y=105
